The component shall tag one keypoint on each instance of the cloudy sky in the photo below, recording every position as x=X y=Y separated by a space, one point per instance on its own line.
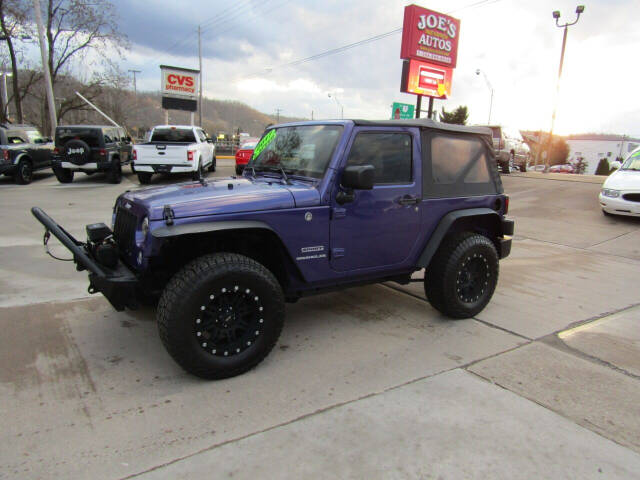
x=246 y=44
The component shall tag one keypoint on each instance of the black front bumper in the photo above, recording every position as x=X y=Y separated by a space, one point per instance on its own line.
x=118 y=284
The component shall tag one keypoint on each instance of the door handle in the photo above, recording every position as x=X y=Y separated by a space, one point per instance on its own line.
x=408 y=200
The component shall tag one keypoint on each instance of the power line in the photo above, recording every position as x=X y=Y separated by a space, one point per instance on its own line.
x=365 y=41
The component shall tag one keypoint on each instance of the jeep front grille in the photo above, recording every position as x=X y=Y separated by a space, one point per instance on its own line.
x=124 y=229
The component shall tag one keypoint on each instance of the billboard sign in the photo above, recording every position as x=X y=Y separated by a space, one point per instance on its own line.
x=422 y=78
x=179 y=88
x=430 y=36
x=402 y=111
x=179 y=82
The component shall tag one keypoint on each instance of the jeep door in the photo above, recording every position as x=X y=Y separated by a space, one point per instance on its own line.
x=380 y=227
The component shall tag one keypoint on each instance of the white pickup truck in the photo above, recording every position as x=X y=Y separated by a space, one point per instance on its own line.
x=174 y=149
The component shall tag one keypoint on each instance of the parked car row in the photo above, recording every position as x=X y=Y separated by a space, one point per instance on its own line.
x=98 y=148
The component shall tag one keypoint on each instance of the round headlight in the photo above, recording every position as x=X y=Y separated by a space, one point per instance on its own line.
x=145 y=227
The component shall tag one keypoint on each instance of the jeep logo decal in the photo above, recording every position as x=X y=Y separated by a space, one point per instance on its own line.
x=73 y=151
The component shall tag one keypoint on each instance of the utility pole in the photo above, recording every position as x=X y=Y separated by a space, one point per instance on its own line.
x=486 y=79
x=556 y=15
x=200 y=82
x=45 y=68
x=278 y=110
x=135 y=89
x=5 y=97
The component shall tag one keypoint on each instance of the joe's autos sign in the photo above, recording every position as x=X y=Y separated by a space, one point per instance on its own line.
x=179 y=88
x=430 y=36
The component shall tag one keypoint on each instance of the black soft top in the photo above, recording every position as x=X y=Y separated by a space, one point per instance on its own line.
x=424 y=123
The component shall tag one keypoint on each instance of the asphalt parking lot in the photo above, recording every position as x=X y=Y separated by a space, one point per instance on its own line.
x=365 y=383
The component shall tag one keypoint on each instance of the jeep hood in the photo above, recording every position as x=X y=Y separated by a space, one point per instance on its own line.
x=219 y=196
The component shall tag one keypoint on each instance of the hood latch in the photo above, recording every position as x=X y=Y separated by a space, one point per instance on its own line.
x=168 y=215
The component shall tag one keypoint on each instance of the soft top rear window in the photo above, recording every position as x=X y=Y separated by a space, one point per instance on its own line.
x=174 y=135
x=90 y=136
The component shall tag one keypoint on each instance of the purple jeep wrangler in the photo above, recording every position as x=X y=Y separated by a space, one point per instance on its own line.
x=321 y=206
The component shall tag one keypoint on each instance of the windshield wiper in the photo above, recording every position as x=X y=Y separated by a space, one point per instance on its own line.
x=276 y=168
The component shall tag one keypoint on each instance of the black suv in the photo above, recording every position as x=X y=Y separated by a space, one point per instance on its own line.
x=23 y=150
x=91 y=149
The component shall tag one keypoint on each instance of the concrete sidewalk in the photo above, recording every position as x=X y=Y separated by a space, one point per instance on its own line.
x=565 y=177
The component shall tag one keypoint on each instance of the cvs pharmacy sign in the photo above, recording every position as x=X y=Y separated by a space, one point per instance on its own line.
x=179 y=82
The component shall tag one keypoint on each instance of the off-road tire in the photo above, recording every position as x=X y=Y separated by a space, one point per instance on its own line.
x=24 y=172
x=187 y=305
x=144 y=177
x=198 y=174
x=448 y=272
x=64 y=175
x=114 y=175
x=214 y=163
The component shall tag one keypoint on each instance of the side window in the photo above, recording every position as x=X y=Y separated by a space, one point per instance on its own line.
x=202 y=136
x=107 y=136
x=15 y=136
x=389 y=153
x=458 y=160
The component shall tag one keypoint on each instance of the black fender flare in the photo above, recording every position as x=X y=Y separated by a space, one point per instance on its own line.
x=168 y=231
x=444 y=227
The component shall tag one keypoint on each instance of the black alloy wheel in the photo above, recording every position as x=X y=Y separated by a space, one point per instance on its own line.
x=229 y=321
x=473 y=278
x=24 y=174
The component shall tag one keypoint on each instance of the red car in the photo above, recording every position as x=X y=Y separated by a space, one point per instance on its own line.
x=566 y=168
x=244 y=153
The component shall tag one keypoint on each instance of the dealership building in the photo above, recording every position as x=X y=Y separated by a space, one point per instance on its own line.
x=593 y=147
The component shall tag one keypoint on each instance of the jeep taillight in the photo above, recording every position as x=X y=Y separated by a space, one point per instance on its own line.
x=5 y=155
x=56 y=150
x=190 y=155
x=103 y=152
x=506 y=204
x=135 y=154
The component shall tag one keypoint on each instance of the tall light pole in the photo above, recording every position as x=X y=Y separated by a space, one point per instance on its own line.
x=486 y=79
x=5 y=96
x=45 y=68
x=335 y=97
x=556 y=15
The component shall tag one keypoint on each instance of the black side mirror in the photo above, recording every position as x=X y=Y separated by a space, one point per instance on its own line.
x=358 y=177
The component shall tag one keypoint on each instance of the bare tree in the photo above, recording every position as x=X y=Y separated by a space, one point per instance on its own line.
x=13 y=22
x=76 y=30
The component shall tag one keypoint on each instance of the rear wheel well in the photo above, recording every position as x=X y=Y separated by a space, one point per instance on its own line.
x=487 y=225
x=261 y=245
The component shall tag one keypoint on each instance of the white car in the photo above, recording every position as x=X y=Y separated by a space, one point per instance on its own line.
x=620 y=193
x=174 y=149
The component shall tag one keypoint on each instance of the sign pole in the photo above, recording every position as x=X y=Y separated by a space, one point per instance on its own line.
x=418 y=106
x=430 y=107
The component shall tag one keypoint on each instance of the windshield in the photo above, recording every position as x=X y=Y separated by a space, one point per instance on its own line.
x=178 y=135
x=304 y=150
x=248 y=145
x=633 y=162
